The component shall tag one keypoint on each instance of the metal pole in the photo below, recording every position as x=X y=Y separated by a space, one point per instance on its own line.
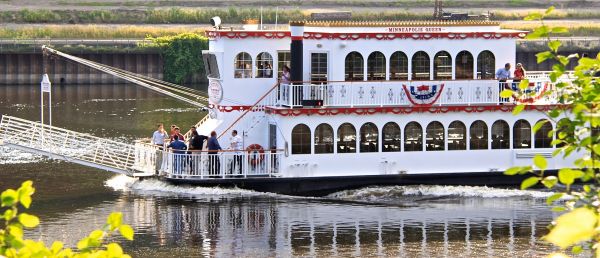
x=42 y=104
x=50 y=106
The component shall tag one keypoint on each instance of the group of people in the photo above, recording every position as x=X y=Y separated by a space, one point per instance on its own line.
x=504 y=74
x=191 y=149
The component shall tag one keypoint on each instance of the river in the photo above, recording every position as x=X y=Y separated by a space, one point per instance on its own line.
x=169 y=221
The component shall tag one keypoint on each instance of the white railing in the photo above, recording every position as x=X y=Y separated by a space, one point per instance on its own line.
x=545 y=75
x=204 y=165
x=74 y=146
x=197 y=125
x=392 y=93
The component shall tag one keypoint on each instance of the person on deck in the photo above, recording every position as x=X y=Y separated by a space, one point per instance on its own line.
x=179 y=150
x=213 y=157
x=235 y=142
x=177 y=133
x=160 y=135
x=284 y=80
x=519 y=73
x=502 y=75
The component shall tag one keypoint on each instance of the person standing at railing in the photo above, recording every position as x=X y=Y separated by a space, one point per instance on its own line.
x=160 y=136
x=502 y=75
x=519 y=75
x=179 y=151
x=235 y=142
x=195 y=146
x=177 y=132
x=213 y=158
x=284 y=80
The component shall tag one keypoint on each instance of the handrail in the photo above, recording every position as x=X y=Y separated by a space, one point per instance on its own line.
x=223 y=151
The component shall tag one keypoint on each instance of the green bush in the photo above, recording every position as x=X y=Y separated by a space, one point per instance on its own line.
x=182 y=55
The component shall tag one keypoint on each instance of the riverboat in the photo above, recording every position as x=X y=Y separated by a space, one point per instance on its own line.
x=406 y=102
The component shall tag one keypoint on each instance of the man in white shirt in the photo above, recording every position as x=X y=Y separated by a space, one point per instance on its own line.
x=235 y=142
x=503 y=74
x=159 y=136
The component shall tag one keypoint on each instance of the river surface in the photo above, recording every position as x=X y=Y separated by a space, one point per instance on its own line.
x=169 y=221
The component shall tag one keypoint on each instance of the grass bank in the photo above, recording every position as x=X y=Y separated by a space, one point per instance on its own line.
x=576 y=29
x=94 y=31
x=238 y=15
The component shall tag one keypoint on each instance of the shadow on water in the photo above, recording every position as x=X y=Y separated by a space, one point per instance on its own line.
x=170 y=221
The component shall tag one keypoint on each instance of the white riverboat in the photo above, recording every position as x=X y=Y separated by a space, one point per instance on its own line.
x=367 y=103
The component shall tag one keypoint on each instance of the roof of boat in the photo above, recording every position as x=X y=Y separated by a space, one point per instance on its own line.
x=413 y=23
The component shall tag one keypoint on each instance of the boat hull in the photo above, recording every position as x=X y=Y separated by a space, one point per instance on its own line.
x=321 y=186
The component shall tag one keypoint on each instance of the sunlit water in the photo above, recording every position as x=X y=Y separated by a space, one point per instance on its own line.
x=171 y=221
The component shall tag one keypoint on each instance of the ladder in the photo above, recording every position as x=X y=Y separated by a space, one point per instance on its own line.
x=130 y=159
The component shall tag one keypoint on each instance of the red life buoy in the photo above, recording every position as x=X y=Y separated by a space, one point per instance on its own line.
x=256 y=154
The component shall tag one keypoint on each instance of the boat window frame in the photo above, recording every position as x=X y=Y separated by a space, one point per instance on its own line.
x=461 y=142
x=266 y=72
x=402 y=67
x=464 y=71
x=478 y=143
x=418 y=145
x=305 y=142
x=521 y=134
x=416 y=67
x=351 y=144
x=284 y=58
x=489 y=66
x=430 y=142
x=543 y=137
x=356 y=56
x=504 y=142
x=363 y=140
x=397 y=141
x=441 y=64
x=374 y=66
x=319 y=136
x=326 y=78
x=244 y=73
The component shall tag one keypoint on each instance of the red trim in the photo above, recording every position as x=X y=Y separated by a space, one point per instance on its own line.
x=422 y=105
x=297 y=38
x=529 y=100
x=236 y=34
x=385 y=110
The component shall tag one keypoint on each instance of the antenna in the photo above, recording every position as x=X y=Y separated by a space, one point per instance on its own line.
x=261 y=16
x=276 y=13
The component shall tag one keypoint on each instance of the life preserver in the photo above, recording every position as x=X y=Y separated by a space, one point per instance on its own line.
x=256 y=154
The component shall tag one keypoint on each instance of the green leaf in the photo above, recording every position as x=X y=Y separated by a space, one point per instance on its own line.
x=96 y=234
x=114 y=220
x=512 y=171
x=29 y=221
x=126 y=232
x=533 y=17
x=518 y=109
x=529 y=182
x=543 y=56
x=558 y=209
x=567 y=176
x=549 y=10
x=506 y=93
x=9 y=197
x=549 y=181
x=539 y=125
x=15 y=231
x=573 y=227
x=553 y=198
x=83 y=244
x=114 y=250
x=560 y=30
x=554 y=44
x=25 y=192
x=56 y=247
x=524 y=84
x=540 y=162
x=596 y=148
x=577 y=249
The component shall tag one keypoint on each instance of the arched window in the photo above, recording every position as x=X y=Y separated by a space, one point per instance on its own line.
x=376 y=66
x=522 y=135
x=242 y=65
x=413 y=137
x=464 y=65
x=563 y=131
x=420 y=66
x=324 y=139
x=346 y=138
x=264 y=65
x=390 y=137
x=543 y=137
x=354 y=67
x=457 y=136
x=442 y=66
x=434 y=137
x=500 y=135
x=398 y=66
x=301 y=139
x=369 y=136
x=486 y=64
x=478 y=136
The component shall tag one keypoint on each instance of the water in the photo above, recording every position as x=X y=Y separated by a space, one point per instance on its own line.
x=407 y=221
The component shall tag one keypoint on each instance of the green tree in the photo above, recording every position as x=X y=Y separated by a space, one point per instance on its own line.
x=578 y=227
x=12 y=243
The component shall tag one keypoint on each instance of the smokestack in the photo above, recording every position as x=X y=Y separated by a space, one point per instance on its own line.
x=296 y=51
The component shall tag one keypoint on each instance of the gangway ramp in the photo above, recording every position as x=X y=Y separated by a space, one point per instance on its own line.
x=135 y=159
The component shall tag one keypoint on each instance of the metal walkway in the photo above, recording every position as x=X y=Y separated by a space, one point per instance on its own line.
x=130 y=159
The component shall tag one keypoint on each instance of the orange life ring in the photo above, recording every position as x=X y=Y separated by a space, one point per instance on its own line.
x=256 y=154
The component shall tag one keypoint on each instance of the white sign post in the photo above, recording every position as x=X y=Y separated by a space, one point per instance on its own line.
x=46 y=86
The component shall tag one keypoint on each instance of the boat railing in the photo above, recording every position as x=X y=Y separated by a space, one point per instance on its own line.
x=403 y=93
x=221 y=164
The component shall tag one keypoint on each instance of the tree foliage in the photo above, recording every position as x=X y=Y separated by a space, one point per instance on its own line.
x=577 y=123
x=182 y=55
x=12 y=243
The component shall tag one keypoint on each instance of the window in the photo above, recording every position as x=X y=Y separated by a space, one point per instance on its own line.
x=434 y=137
x=486 y=64
x=522 y=135
x=543 y=137
x=500 y=135
x=369 y=136
x=264 y=65
x=376 y=66
x=318 y=67
x=457 y=136
x=442 y=66
x=563 y=131
x=478 y=136
x=464 y=65
x=346 y=138
x=301 y=139
x=354 y=67
x=398 y=66
x=391 y=137
x=243 y=66
x=420 y=66
x=210 y=65
x=324 y=139
x=413 y=137
x=283 y=59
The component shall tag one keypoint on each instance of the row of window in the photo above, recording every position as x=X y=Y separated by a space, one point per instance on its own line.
x=391 y=139
x=377 y=69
